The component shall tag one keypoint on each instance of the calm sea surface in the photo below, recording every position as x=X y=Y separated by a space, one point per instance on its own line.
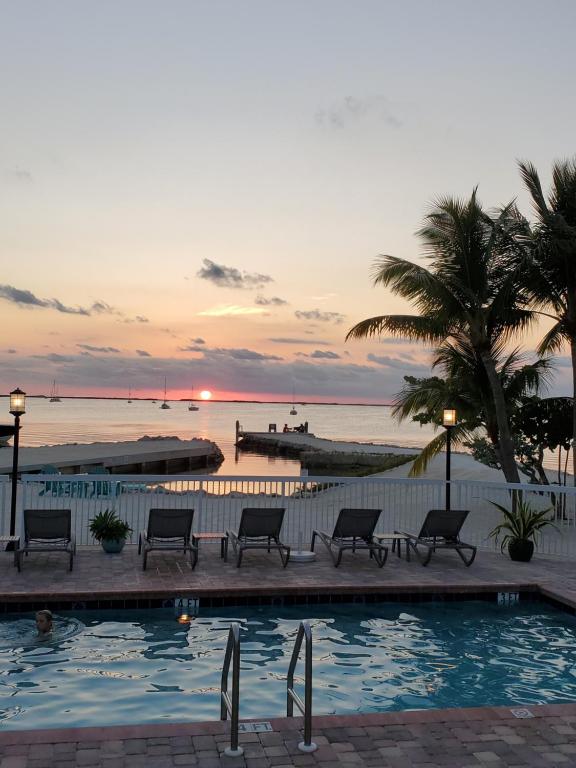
x=87 y=421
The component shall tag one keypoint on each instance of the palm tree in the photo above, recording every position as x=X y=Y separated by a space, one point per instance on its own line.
x=552 y=279
x=463 y=385
x=469 y=296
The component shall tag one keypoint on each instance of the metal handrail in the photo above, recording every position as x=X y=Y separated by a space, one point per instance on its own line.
x=229 y=705
x=305 y=707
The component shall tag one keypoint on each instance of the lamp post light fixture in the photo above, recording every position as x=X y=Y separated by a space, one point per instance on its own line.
x=17 y=409
x=448 y=422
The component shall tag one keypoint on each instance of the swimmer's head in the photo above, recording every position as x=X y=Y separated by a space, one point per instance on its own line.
x=44 y=621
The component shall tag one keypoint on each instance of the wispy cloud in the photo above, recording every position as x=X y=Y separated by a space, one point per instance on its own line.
x=397 y=363
x=53 y=357
x=273 y=301
x=230 y=277
x=320 y=354
x=228 y=310
x=353 y=109
x=235 y=354
x=198 y=340
x=25 y=298
x=289 y=340
x=143 y=353
x=12 y=351
x=320 y=317
x=16 y=175
x=90 y=348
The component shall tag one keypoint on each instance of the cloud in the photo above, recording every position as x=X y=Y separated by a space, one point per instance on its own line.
x=198 y=340
x=230 y=277
x=227 y=310
x=320 y=354
x=321 y=317
x=316 y=342
x=274 y=301
x=55 y=358
x=11 y=351
x=351 y=110
x=397 y=363
x=235 y=354
x=143 y=353
x=90 y=348
x=26 y=298
x=16 y=175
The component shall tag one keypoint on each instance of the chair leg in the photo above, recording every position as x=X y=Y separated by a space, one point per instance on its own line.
x=145 y=559
x=466 y=560
x=71 y=561
x=193 y=557
x=239 y=556
x=338 y=558
x=313 y=541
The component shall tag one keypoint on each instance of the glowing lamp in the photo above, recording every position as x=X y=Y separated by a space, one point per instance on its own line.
x=184 y=619
x=17 y=402
x=449 y=417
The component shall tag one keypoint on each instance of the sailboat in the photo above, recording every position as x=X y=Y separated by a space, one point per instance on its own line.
x=165 y=405
x=54 y=393
x=191 y=404
x=293 y=411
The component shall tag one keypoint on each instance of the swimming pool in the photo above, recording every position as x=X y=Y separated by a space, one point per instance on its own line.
x=124 y=667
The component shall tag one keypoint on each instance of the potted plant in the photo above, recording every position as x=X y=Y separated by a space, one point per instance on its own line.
x=109 y=530
x=520 y=527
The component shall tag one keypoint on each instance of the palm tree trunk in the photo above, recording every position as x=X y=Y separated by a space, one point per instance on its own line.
x=573 y=354
x=505 y=444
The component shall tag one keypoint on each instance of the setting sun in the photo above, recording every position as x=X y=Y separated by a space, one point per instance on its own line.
x=205 y=394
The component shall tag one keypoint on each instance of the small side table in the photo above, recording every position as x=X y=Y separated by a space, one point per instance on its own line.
x=396 y=539
x=6 y=540
x=217 y=535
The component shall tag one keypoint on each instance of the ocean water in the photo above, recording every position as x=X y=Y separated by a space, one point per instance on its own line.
x=87 y=421
x=132 y=666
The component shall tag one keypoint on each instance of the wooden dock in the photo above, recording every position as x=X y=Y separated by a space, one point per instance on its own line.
x=161 y=456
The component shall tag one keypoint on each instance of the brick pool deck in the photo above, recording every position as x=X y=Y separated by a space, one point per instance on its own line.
x=424 y=739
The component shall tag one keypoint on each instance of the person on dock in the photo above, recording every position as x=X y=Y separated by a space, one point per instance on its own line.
x=286 y=428
x=44 y=622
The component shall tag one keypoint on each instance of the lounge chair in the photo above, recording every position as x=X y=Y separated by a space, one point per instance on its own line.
x=259 y=529
x=168 y=529
x=354 y=530
x=441 y=530
x=47 y=530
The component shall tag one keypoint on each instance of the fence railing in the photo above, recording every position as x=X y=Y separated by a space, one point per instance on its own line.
x=310 y=502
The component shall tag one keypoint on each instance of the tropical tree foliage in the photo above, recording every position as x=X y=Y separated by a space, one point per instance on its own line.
x=551 y=280
x=469 y=299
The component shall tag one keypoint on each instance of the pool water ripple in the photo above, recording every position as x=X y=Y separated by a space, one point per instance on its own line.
x=115 y=667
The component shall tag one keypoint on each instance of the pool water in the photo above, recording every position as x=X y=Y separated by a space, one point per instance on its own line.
x=122 y=667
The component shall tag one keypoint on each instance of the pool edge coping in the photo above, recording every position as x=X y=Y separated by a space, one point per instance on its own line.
x=87 y=734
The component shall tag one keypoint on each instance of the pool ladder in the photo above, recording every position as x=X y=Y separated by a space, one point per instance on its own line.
x=229 y=704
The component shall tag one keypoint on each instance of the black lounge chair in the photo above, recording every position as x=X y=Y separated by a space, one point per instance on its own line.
x=354 y=530
x=441 y=530
x=259 y=529
x=47 y=530
x=168 y=529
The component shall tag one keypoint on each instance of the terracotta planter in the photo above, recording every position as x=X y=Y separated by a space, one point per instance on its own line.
x=521 y=550
x=113 y=546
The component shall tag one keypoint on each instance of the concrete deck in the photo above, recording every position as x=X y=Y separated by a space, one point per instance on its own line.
x=460 y=738
x=124 y=457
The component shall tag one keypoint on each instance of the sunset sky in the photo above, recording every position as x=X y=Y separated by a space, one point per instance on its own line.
x=198 y=190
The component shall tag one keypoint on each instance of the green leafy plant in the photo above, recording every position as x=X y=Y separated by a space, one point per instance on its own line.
x=106 y=526
x=522 y=522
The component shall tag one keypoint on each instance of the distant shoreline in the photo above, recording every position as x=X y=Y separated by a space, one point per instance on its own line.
x=204 y=402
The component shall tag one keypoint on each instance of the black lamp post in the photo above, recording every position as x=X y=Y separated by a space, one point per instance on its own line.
x=17 y=408
x=449 y=422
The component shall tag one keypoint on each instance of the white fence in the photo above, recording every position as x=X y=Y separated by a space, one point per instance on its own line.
x=310 y=502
